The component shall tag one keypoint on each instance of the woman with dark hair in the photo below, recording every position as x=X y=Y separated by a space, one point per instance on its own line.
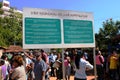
x=81 y=66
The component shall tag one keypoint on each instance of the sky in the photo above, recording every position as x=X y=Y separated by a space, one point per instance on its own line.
x=102 y=9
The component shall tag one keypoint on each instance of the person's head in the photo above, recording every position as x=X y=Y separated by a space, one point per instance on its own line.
x=2 y=62
x=54 y=51
x=114 y=53
x=4 y=57
x=38 y=56
x=42 y=51
x=98 y=52
x=77 y=58
x=17 y=61
x=30 y=54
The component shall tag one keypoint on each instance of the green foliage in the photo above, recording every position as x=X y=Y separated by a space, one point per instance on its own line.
x=11 y=29
x=106 y=34
x=1 y=11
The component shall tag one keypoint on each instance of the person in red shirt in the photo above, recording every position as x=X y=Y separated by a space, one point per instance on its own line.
x=99 y=65
x=44 y=56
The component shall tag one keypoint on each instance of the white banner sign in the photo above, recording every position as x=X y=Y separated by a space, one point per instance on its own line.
x=48 y=28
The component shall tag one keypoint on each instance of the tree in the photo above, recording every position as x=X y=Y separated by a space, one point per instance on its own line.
x=16 y=26
x=118 y=25
x=11 y=29
x=1 y=11
x=109 y=30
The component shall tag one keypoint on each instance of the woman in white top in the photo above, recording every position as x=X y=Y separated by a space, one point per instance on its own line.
x=81 y=66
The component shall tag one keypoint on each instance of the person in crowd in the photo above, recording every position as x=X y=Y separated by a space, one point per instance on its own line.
x=86 y=55
x=47 y=77
x=2 y=62
x=113 y=65
x=44 y=56
x=58 y=66
x=5 y=67
x=119 y=66
x=52 y=58
x=67 y=66
x=40 y=66
x=99 y=65
x=29 y=67
x=46 y=59
x=72 y=57
x=18 y=71
x=81 y=66
x=108 y=64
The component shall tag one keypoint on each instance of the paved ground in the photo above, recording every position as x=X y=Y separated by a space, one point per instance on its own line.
x=72 y=78
x=90 y=76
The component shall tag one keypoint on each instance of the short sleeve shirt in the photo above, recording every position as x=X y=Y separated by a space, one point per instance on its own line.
x=39 y=67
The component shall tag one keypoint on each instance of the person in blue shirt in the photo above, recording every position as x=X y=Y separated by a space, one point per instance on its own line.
x=40 y=66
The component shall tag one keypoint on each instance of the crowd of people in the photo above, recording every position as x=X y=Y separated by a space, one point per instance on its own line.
x=39 y=65
x=108 y=67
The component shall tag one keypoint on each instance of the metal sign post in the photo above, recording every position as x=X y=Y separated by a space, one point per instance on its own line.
x=63 y=66
x=95 y=72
